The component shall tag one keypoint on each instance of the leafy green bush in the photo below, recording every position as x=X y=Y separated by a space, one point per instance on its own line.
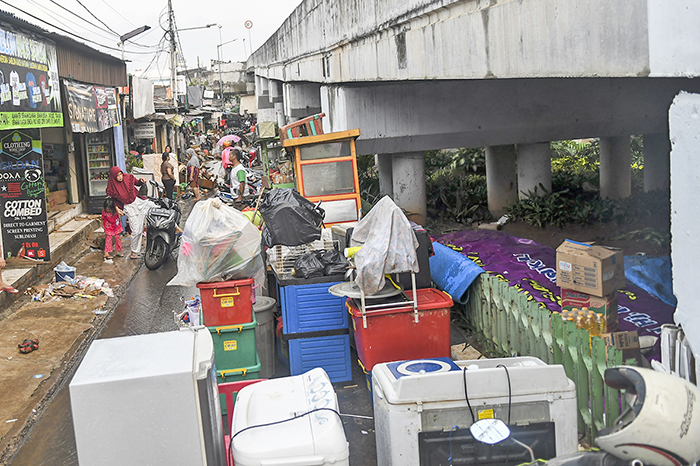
x=369 y=182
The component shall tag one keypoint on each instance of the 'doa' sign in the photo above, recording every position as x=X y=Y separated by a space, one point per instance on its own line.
x=23 y=196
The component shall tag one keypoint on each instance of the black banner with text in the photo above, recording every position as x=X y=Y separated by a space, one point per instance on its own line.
x=22 y=196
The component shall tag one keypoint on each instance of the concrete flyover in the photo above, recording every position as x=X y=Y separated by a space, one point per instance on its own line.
x=510 y=75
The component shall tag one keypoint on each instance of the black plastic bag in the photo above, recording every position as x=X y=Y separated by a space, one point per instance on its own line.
x=334 y=262
x=309 y=265
x=290 y=219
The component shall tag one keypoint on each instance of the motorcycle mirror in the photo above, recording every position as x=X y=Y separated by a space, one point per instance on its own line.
x=490 y=431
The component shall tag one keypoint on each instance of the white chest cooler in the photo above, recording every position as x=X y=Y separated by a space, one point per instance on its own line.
x=428 y=396
x=314 y=439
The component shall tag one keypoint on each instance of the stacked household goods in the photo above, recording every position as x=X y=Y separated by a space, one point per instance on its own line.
x=227 y=312
x=314 y=325
x=389 y=328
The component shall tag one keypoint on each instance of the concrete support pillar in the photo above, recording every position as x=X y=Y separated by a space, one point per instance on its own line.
x=409 y=185
x=277 y=101
x=266 y=111
x=534 y=169
x=501 y=178
x=615 y=171
x=386 y=181
x=657 y=162
x=301 y=100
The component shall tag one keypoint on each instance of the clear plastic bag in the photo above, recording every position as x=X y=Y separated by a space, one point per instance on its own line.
x=218 y=243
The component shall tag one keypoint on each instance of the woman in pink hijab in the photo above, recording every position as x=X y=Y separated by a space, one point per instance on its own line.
x=122 y=188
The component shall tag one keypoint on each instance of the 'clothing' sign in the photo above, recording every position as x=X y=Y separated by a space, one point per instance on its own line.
x=23 y=196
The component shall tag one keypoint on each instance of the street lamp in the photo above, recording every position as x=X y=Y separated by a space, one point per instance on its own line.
x=198 y=27
x=218 y=55
x=130 y=35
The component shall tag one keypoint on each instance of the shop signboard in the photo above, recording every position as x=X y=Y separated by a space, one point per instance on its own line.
x=30 y=96
x=23 y=196
x=145 y=130
x=91 y=109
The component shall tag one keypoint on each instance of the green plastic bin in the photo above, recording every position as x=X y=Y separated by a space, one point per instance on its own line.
x=234 y=345
x=236 y=374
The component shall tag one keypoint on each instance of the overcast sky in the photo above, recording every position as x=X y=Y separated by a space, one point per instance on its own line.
x=148 y=52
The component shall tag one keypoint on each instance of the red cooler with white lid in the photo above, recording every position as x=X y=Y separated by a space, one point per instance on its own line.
x=314 y=439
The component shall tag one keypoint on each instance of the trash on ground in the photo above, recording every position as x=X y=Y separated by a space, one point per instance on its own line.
x=64 y=272
x=38 y=376
x=76 y=287
x=218 y=244
x=10 y=420
x=27 y=346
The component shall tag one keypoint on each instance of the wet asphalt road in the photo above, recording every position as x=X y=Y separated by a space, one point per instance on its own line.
x=146 y=307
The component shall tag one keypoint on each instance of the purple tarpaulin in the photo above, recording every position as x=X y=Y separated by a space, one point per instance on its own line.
x=530 y=267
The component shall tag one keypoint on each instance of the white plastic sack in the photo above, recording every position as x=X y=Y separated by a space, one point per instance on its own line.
x=388 y=245
x=219 y=243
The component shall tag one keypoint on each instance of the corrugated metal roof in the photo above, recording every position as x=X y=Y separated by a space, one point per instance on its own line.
x=76 y=60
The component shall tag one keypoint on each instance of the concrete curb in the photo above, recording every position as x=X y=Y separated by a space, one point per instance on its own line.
x=37 y=272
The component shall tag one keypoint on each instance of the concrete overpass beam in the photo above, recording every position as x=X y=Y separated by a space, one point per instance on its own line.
x=409 y=185
x=615 y=171
x=501 y=178
x=301 y=100
x=277 y=101
x=386 y=182
x=657 y=162
x=534 y=169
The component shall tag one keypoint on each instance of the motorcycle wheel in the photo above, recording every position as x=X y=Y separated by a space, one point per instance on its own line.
x=156 y=253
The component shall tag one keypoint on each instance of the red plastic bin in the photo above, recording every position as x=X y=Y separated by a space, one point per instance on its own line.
x=393 y=335
x=227 y=303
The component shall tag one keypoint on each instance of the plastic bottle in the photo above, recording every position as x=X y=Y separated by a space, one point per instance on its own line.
x=594 y=319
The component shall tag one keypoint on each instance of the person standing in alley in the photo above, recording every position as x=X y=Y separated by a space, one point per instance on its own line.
x=167 y=176
x=193 y=172
x=113 y=226
x=238 y=176
x=122 y=188
x=6 y=287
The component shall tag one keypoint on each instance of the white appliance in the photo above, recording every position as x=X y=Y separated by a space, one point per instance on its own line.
x=148 y=399
x=315 y=439
x=428 y=395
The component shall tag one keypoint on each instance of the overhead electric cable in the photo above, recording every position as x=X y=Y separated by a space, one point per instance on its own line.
x=98 y=19
x=81 y=30
x=68 y=32
x=80 y=17
x=122 y=16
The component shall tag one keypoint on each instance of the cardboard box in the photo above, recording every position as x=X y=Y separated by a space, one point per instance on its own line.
x=205 y=183
x=605 y=306
x=592 y=269
x=628 y=342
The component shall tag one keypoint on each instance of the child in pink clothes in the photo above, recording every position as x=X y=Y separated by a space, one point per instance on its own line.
x=113 y=226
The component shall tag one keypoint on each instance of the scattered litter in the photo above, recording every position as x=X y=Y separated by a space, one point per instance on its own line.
x=99 y=312
x=350 y=386
x=38 y=376
x=9 y=358
x=76 y=287
x=34 y=410
x=364 y=432
x=10 y=420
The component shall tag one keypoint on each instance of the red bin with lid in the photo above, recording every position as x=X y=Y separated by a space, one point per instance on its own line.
x=393 y=335
x=227 y=303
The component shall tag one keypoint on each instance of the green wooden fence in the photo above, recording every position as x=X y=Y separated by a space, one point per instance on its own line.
x=512 y=325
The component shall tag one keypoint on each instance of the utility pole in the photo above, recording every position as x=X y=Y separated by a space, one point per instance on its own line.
x=173 y=55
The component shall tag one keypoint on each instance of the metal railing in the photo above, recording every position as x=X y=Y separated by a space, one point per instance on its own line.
x=513 y=325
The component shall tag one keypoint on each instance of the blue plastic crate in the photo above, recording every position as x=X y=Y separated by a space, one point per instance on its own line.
x=311 y=308
x=332 y=353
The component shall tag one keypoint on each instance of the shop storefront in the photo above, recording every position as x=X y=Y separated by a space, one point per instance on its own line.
x=94 y=116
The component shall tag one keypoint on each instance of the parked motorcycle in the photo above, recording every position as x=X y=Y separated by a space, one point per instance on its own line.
x=161 y=239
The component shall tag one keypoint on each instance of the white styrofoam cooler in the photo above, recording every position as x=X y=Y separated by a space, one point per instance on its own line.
x=428 y=395
x=315 y=439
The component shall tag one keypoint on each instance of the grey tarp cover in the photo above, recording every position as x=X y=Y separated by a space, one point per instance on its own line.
x=388 y=245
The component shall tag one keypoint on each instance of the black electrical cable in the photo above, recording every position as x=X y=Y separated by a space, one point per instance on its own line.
x=230 y=447
x=466 y=395
x=510 y=393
